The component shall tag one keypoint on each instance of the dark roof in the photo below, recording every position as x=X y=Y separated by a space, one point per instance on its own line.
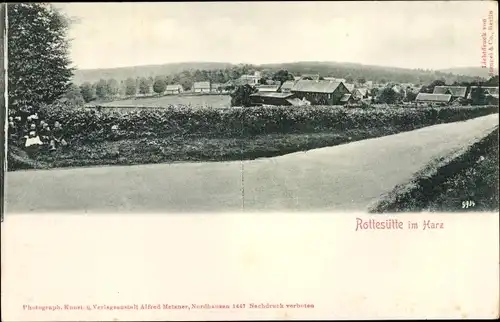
x=489 y=89
x=315 y=86
x=201 y=85
x=453 y=90
x=426 y=97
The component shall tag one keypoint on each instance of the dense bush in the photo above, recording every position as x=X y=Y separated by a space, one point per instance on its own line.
x=84 y=124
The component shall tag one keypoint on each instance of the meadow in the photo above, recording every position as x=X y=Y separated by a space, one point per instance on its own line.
x=214 y=101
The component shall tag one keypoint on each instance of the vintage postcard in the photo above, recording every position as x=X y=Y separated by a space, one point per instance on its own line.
x=250 y=160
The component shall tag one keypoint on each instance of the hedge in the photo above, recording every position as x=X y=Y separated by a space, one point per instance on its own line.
x=84 y=124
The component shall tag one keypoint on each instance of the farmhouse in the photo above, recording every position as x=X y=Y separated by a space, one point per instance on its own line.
x=271 y=98
x=433 y=98
x=201 y=87
x=360 y=93
x=487 y=90
x=320 y=92
x=333 y=79
x=287 y=86
x=216 y=87
x=273 y=82
x=173 y=89
x=454 y=91
x=350 y=87
x=249 y=79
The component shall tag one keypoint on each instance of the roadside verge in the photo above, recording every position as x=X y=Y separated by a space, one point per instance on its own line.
x=465 y=180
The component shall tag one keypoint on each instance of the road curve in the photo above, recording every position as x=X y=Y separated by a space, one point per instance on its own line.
x=342 y=178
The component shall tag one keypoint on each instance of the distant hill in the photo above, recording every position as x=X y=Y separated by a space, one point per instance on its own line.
x=341 y=70
x=470 y=71
x=122 y=73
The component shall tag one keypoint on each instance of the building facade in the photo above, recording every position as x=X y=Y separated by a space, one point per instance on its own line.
x=201 y=87
x=320 y=92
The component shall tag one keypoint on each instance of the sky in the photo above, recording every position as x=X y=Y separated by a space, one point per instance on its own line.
x=409 y=34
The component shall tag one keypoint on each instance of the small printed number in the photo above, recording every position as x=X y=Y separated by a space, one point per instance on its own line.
x=468 y=204
x=238 y=306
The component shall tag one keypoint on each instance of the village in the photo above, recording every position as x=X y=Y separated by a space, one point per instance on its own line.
x=313 y=89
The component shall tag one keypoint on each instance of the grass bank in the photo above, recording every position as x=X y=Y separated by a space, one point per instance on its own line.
x=191 y=149
x=468 y=176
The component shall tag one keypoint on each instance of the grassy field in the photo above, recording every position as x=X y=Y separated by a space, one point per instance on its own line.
x=215 y=101
x=471 y=177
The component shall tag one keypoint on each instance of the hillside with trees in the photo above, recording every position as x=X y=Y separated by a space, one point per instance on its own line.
x=187 y=73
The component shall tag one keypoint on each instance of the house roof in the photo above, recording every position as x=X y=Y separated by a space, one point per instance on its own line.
x=315 y=86
x=453 y=90
x=287 y=85
x=362 y=91
x=273 y=94
x=201 y=85
x=297 y=102
x=350 y=87
x=426 y=97
x=268 y=88
x=489 y=89
x=335 y=79
x=173 y=87
x=250 y=77
x=244 y=81
x=345 y=97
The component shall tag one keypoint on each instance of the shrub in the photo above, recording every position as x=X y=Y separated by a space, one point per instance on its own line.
x=86 y=124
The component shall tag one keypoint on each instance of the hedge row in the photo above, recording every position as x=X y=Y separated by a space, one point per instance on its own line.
x=93 y=125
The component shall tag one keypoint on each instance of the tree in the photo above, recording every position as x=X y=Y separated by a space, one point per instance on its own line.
x=282 y=76
x=241 y=96
x=130 y=87
x=73 y=96
x=437 y=82
x=38 y=54
x=144 y=86
x=101 y=89
x=493 y=81
x=159 y=86
x=87 y=91
x=478 y=96
x=361 y=80
x=410 y=96
x=388 y=96
x=112 y=88
x=374 y=92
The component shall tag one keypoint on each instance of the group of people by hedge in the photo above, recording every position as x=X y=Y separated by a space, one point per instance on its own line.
x=29 y=131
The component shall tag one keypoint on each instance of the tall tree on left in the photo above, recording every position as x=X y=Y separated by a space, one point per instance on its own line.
x=38 y=55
